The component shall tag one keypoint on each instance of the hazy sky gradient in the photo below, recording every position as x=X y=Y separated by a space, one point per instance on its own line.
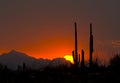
x=44 y=28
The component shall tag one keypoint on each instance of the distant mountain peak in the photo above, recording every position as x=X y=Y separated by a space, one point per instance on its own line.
x=17 y=53
x=13 y=52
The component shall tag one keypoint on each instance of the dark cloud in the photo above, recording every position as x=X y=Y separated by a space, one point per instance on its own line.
x=116 y=43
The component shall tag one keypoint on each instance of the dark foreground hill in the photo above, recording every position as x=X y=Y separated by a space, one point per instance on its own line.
x=54 y=71
x=59 y=75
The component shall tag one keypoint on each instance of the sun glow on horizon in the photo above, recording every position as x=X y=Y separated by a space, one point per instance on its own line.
x=69 y=58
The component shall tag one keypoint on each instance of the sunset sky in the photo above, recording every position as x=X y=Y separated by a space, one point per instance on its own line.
x=45 y=28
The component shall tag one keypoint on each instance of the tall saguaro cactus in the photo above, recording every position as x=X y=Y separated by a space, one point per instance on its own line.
x=83 y=61
x=76 y=56
x=91 y=46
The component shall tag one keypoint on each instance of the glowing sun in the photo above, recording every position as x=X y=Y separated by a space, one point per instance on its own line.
x=69 y=58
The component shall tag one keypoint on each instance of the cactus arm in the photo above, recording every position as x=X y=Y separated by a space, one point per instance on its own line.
x=73 y=56
x=78 y=58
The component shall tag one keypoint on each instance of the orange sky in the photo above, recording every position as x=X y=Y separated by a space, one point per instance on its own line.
x=51 y=47
x=45 y=28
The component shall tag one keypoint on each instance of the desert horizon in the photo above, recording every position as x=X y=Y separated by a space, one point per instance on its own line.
x=59 y=41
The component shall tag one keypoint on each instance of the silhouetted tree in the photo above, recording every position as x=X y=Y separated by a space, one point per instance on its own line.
x=115 y=62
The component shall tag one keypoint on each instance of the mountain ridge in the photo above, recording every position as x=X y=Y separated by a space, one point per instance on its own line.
x=13 y=59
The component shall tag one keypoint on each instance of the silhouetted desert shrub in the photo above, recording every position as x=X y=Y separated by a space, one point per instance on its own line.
x=115 y=62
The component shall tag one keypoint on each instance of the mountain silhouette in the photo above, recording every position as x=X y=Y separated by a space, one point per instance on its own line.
x=13 y=59
x=60 y=62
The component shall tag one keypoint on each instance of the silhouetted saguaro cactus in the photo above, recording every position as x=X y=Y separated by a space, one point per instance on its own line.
x=76 y=56
x=83 y=61
x=91 y=46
